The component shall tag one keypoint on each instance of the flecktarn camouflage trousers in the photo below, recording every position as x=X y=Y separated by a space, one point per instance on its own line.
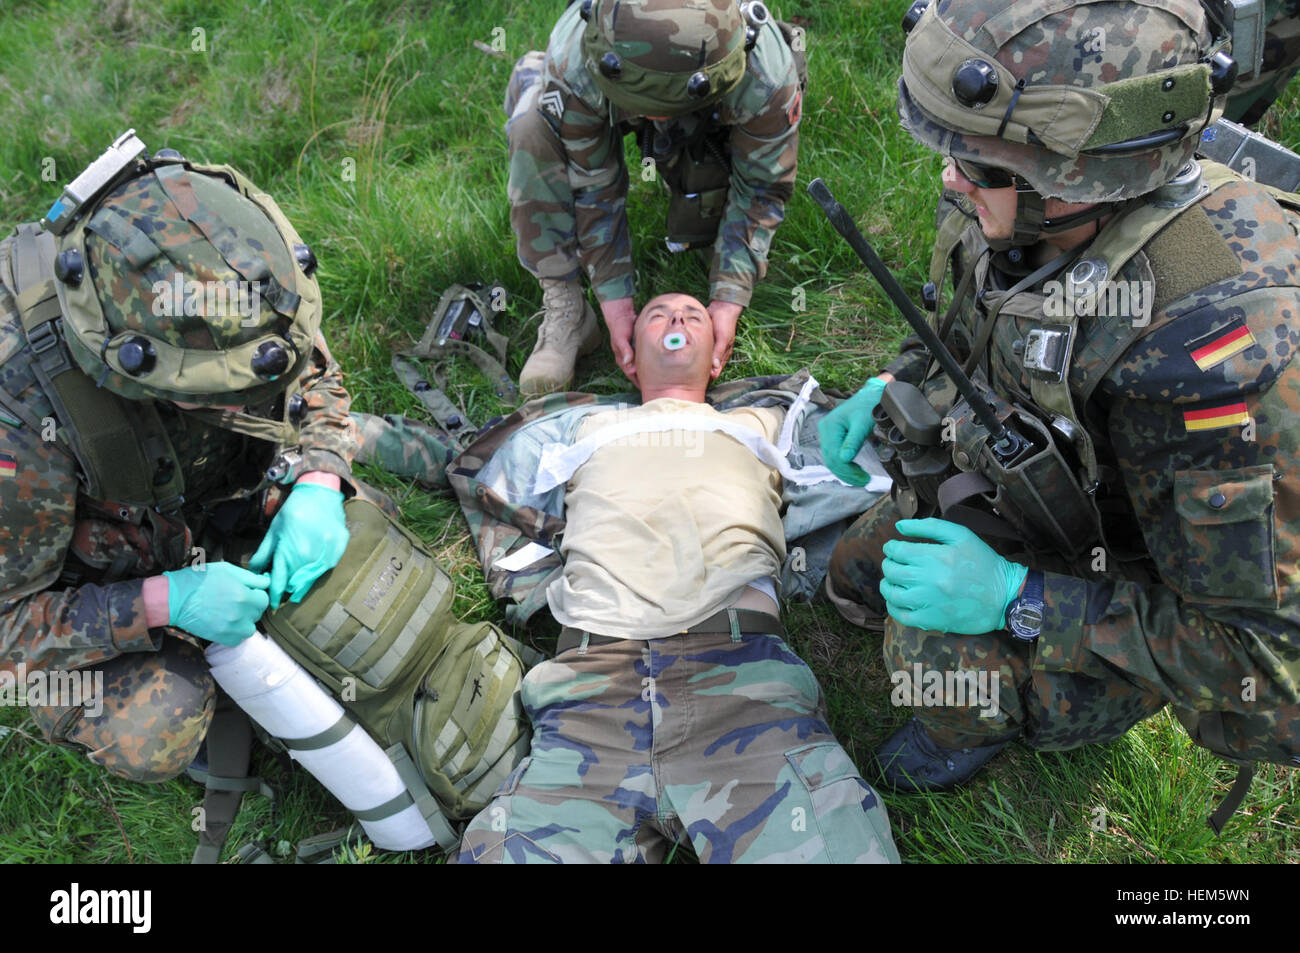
x=151 y=715
x=715 y=739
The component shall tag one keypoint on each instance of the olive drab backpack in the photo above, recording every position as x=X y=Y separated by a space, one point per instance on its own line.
x=440 y=697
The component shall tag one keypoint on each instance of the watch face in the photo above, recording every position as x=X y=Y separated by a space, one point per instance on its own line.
x=1026 y=620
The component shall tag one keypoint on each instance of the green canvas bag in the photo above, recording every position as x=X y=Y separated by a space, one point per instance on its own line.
x=378 y=633
x=441 y=697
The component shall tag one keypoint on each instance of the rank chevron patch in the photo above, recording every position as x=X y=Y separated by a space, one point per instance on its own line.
x=552 y=101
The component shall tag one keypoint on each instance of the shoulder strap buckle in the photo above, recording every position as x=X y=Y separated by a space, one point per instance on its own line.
x=49 y=347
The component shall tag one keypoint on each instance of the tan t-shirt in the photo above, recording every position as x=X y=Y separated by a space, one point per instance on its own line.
x=665 y=529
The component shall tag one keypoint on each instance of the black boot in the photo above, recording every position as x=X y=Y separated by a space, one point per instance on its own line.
x=910 y=761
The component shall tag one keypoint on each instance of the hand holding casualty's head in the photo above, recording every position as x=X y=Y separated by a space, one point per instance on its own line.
x=673 y=338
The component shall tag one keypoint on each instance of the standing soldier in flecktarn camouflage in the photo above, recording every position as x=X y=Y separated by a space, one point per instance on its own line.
x=1139 y=308
x=159 y=353
x=713 y=93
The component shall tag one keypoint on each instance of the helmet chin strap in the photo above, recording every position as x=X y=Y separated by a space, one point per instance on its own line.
x=1031 y=212
x=278 y=432
x=1032 y=223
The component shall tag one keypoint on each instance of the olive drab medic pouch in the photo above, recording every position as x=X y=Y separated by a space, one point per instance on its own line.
x=441 y=697
x=699 y=181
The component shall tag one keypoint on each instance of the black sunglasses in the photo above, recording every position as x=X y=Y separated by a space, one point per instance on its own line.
x=984 y=176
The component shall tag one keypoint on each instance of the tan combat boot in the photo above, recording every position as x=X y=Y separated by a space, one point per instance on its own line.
x=569 y=328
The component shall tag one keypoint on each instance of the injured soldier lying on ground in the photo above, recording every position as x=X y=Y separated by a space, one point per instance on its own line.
x=673 y=710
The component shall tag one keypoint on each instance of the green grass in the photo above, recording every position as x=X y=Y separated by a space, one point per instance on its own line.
x=377 y=125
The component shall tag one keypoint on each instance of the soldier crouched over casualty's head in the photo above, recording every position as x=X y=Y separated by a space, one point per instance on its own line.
x=674 y=710
x=722 y=136
x=1176 y=404
x=150 y=469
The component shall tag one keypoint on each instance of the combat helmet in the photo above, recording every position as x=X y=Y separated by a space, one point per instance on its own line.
x=664 y=57
x=1096 y=102
x=182 y=282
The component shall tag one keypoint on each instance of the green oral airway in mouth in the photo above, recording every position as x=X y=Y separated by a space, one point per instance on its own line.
x=675 y=342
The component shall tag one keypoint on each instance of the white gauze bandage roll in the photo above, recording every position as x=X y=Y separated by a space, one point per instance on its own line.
x=283 y=698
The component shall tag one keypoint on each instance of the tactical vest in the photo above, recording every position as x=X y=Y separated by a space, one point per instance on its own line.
x=1066 y=358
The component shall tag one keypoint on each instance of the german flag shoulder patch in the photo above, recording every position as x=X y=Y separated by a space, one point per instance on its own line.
x=1220 y=344
x=8 y=465
x=1216 y=417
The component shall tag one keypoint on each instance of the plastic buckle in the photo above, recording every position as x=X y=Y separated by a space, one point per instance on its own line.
x=170 y=505
x=44 y=337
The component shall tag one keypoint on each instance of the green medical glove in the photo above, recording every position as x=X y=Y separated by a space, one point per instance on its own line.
x=955 y=584
x=305 y=541
x=845 y=429
x=220 y=602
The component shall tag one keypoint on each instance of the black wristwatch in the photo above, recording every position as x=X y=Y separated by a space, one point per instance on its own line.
x=1025 y=614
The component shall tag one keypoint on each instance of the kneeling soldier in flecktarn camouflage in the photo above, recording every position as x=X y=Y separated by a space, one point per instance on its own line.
x=713 y=91
x=1134 y=312
x=159 y=354
x=674 y=710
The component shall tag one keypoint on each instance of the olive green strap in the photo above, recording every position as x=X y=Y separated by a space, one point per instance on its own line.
x=394 y=805
x=1031 y=280
x=253 y=853
x=33 y=254
x=229 y=741
x=439 y=342
x=419 y=793
x=453 y=421
x=320 y=848
x=331 y=735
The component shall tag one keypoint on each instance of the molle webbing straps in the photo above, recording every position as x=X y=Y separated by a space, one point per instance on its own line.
x=451 y=420
x=444 y=337
x=121 y=445
x=418 y=791
x=439 y=697
x=229 y=741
